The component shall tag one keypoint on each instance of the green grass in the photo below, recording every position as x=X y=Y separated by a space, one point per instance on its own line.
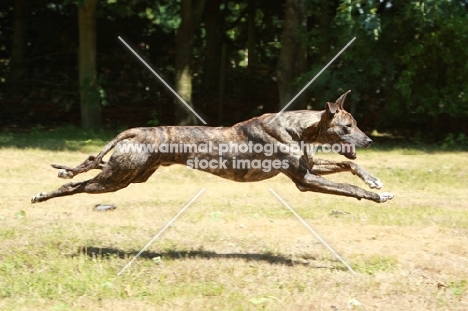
x=237 y=247
x=375 y=264
x=68 y=138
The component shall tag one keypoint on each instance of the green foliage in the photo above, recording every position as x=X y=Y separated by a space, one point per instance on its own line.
x=409 y=60
x=122 y=8
x=362 y=67
x=359 y=14
x=432 y=58
x=455 y=140
x=154 y=121
x=407 y=68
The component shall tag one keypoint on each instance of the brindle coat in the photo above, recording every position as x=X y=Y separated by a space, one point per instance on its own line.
x=333 y=126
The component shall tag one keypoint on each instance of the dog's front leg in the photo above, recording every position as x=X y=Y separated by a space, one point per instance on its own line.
x=306 y=180
x=325 y=167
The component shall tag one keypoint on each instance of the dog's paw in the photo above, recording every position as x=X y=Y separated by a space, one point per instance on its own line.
x=385 y=196
x=65 y=174
x=373 y=182
x=39 y=197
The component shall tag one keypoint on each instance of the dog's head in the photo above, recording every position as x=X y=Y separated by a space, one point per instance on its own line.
x=339 y=127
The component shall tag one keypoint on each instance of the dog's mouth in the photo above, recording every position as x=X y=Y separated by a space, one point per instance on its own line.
x=348 y=150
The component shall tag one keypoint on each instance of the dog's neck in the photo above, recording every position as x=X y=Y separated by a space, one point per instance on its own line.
x=312 y=133
x=307 y=129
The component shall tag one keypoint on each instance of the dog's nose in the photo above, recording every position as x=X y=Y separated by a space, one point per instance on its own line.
x=368 y=141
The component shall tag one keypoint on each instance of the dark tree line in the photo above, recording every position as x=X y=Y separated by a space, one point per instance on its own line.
x=61 y=61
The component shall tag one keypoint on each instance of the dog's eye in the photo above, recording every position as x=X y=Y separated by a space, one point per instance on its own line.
x=349 y=125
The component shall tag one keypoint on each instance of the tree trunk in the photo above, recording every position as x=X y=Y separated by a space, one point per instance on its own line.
x=222 y=84
x=211 y=65
x=251 y=34
x=292 y=60
x=191 y=11
x=18 y=49
x=89 y=95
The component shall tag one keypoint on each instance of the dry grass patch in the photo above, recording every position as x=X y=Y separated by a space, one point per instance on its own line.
x=237 y=247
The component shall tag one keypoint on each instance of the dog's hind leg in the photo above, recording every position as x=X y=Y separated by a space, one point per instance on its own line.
x=110 y=179
x=98 y=184
x=94 y=162
x=67 y=189
x=67 y=172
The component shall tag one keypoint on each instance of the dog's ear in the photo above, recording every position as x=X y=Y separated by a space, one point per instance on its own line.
x=340 y=101
x=331 y=109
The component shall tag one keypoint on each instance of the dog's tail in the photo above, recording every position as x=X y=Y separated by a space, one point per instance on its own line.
x=94 y=161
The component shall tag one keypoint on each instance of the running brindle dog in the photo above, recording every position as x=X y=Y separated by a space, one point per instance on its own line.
x=332 y=126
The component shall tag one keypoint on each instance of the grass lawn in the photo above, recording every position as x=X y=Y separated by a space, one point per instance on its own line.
x=236 y=247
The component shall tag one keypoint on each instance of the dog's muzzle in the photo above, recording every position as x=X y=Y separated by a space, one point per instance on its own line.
x=368 y=142
x=349 y=150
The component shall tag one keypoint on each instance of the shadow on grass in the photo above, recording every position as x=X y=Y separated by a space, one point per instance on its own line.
x=105 y=253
